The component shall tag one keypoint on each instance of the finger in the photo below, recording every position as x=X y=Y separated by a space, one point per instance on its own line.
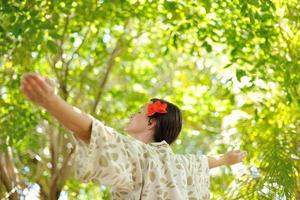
x=41 y=83
x=31 y=75
x=22 y=88
x=27 y=93
x=244 y=153
x=22 y=83
x=28 y=75
x=25 y=83
x=36 y=89
x=235 y=151
x=242 y=156
x=23 y=77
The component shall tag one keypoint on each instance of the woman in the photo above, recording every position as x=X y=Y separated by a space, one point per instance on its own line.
x=139 y=167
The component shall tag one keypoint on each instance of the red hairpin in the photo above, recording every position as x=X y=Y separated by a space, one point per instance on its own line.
x=156 y=107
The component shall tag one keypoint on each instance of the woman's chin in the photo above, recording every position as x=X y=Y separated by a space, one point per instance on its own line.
x=127 y=129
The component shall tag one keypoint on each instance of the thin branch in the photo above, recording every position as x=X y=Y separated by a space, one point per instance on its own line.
x=117 y=50
x=62 y=171
x=83 y=76
x=111 y=61
x=64 y=83
x=59 y=173
x=3 y=178
x=43 y=192
x=59 y=55
x=9 y=175
x=62 y=40
x=78 y=48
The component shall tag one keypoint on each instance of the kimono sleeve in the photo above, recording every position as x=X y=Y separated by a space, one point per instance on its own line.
x=201 y=170
x=109 y=159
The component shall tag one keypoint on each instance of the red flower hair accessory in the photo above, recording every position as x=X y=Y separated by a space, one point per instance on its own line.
x=156 y=107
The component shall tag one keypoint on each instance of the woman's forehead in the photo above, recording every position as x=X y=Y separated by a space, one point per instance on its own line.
x=144 y=106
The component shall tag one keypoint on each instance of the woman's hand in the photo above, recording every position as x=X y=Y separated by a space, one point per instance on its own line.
x=233 y=157
x=40 y=90
x=37 y=89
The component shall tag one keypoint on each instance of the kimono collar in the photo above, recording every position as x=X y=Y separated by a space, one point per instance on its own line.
x=162 y=143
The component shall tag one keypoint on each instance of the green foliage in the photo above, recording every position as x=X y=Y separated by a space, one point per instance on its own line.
x=231 y=66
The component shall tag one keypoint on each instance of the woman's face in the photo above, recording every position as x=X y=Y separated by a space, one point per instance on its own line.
x=138 y=122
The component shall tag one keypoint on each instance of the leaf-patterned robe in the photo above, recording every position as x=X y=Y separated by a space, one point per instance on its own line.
x=136 y=170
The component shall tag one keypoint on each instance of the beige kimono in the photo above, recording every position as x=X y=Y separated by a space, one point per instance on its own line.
x=136 y=170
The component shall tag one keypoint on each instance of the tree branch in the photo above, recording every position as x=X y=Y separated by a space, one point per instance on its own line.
x=8 y=174
x=117 y=50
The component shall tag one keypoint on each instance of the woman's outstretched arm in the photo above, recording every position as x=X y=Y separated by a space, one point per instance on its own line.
x=229 y=158
x=39 y=90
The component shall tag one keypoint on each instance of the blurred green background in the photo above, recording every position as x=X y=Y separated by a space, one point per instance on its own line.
x=232 y=66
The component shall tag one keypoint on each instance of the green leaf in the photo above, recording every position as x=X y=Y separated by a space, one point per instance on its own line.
x=52 y=46
x=240 y=74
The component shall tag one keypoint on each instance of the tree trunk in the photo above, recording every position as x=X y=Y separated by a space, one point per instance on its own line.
x=8 y=174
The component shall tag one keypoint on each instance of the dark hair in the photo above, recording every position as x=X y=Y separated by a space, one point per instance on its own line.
x=169 y=124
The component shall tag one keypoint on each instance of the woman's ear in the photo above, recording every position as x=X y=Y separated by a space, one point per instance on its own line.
x=151 y=123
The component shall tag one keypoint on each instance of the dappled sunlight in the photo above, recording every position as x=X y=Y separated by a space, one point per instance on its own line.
x=232 y=67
